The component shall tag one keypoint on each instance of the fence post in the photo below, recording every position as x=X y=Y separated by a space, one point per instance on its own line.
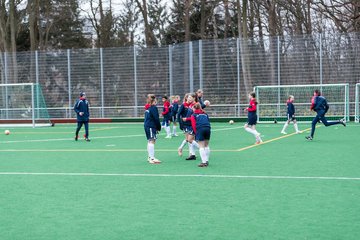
x=69 y=82
x=6 y=81
x=238 y=74
x=102 y=82
x=37 y=82
x=135 y=84
x=321 y=63
x=201 y=83
x=279 y=83
x=171 y=90
x=191 y=67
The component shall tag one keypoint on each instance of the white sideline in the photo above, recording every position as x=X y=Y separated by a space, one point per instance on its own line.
x=105 y=137
x=69 y=139
x=178 y=175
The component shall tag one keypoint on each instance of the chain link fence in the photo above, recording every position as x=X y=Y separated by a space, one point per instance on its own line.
x=117 y=80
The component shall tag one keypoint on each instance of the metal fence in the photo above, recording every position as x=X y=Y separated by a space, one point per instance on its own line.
x=117 y=80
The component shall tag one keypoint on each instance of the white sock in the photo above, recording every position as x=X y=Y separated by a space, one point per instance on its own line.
x=296 y=127
x=191 y=149
x=168 y=131
x=195 y=144
x=183 y=144
x=207 y=151
x=151 y=150
x=285 y=126
x=174 y=130
x=252 y=131
x=203 y=155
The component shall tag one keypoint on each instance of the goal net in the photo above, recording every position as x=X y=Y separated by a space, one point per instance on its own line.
x=357 y=99
x=23 y=104
x=272 y=101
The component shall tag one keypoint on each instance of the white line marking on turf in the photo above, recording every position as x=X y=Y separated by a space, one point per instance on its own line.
x=106 y=137
x=178 y=175
x=104 y=150
x=225 y=129
x=70 y=139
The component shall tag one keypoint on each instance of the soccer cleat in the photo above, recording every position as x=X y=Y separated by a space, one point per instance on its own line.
x=309 y=138
x=76 y=138
x=343 y=122
x=153 y=161
x=156 y=161
x=203 y=164
x=258 y=142
x=180 y=151
x=191 y=157
x=298 y=132
x=87 y=139
x=283 y=132
x=175 y=135
x=168 y=136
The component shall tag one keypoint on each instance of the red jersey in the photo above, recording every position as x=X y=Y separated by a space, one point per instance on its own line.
x=166 y=108
x=252 y=105
x=312 y=102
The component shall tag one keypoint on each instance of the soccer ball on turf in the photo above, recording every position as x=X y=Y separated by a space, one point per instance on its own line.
x=207 y=102
x=7 y=132
x=231 y=122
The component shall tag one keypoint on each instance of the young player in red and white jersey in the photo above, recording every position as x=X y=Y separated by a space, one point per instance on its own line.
x=201 y=125
x=166 y=113
x=184 y=116
x=151 y=126
x=250 y=126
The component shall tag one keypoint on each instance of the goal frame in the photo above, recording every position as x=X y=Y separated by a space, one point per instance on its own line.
x=280 y=101
x=10 y=122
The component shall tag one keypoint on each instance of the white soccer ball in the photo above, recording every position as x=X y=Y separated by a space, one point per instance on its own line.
x=7 y=132
x=231 y=122
x=207 y=102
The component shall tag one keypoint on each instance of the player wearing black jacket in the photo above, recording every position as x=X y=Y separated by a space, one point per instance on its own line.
x=320 y=106
x=152 y=126
x=81 y=108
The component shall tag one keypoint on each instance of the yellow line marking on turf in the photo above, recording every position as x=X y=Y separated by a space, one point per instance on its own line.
x=272 y=140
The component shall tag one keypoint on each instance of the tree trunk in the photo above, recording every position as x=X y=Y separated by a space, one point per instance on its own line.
x=203 y=19
x=13 y=30
x=149 y=35
x=187 y=20
x=244 y=48
x=271 y=8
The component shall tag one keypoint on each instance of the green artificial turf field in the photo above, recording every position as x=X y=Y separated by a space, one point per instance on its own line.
x=286 y=188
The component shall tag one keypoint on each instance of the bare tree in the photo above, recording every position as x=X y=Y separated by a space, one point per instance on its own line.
x=149 y=34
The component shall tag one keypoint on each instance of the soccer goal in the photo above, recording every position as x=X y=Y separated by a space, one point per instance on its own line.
x=357 y=99
x=272 y=101
x=23 y=104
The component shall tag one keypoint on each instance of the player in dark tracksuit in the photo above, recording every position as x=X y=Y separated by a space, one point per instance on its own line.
x=81 y=108
x=201 y=125
x=320 y=106
x=199 y=95
x=290 y=115
x=152 y=126
x=174 y=110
